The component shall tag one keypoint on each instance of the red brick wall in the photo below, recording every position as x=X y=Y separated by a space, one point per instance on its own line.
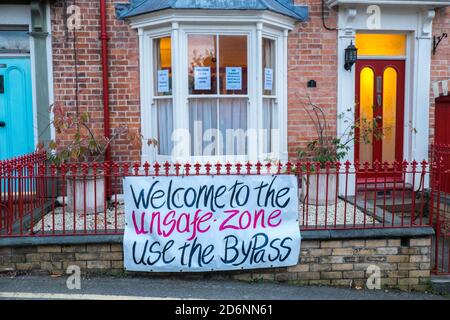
x=440 y=63
x=123 y=71
x=311 y=55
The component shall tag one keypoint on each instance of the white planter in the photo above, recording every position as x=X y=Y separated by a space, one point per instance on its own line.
x=86 y=189
x=319 y=194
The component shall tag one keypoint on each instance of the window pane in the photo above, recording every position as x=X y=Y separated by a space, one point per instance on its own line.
x=162 y=66
x=366 y=115
x=233 y=126
x=381 y=44
x=202 y=64
x=233 y=64
x=268 y=53
x=164 y=109
x=14 y=42
x=389 y=114
x=203 y=127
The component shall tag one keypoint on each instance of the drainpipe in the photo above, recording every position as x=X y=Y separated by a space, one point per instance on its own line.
x=106 y=127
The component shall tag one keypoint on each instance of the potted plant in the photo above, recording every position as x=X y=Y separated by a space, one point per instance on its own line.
x=83 y=145
x=319 y=157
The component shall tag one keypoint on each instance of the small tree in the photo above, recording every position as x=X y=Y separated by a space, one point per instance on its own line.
x=84 y=144
x=328 y=147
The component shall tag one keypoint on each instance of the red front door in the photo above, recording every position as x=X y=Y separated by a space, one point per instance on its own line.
x=380 y=95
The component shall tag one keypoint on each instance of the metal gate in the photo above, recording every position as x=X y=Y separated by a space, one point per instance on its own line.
x=440 y=153
x=441 y=221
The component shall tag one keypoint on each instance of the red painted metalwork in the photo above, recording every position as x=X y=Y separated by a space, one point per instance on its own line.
x=440 y=181
x=46 y=208
x=441 y=125
x=105 y=72
x=378 y=67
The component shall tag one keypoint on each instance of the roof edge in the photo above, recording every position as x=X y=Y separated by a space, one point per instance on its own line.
x=285 y=7
x=436 y=3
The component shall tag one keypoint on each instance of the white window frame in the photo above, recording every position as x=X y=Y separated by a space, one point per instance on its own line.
x=255 y=30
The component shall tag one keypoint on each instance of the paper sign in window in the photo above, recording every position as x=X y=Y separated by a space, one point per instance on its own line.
x=202 y=77
x=234 y=78
x=163 y=81
x=268 y=79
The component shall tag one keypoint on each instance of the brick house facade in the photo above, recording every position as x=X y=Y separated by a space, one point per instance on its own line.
x=75 y=70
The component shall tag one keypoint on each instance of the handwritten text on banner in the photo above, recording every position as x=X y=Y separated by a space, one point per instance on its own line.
x=206 y=223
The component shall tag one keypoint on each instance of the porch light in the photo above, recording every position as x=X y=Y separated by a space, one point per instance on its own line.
x=351 y=54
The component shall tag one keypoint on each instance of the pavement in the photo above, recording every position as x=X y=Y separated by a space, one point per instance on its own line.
x=143 y=288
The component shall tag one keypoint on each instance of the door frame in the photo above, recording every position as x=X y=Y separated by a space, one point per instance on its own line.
x=416 y=22
x=40 y=45
x=382 y=65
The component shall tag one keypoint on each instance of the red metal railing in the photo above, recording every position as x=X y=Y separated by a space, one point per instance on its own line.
x=441 y=223
x=43 y=199
x=21 y=191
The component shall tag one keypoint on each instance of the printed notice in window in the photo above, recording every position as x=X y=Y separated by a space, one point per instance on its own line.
x=202 y=77
x=268 y=79
x=234 y=78
x=163 y=81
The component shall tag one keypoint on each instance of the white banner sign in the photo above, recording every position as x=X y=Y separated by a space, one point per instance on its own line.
x=208 y=223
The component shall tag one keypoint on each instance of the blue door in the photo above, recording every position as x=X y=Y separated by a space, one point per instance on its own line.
x=16 y=111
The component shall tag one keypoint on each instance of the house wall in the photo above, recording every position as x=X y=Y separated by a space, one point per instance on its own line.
x=311 y=56
x=440 y=62
x=123 y=76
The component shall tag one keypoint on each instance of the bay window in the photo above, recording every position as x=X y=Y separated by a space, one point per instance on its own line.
x=215 y=93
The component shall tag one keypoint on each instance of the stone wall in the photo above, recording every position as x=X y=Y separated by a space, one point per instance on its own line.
x=404 y=262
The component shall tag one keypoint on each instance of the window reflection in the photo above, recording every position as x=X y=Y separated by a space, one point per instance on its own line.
x=14 y=42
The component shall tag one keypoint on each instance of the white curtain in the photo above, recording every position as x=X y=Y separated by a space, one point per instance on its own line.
x=202 y=118
x=269 y=124
x=218 y=126
x=165 y=125
x=233 y=125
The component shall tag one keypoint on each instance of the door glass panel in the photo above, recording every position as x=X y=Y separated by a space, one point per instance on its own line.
x=389 y=113
x=381 y=44
x=14 y=41
x=366 y=115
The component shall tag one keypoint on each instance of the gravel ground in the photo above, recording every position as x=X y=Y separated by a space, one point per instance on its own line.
x=58 y=219
x=316 y=215
x=67 y=220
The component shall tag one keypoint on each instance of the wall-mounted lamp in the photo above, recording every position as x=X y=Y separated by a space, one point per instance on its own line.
x=351 y=55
